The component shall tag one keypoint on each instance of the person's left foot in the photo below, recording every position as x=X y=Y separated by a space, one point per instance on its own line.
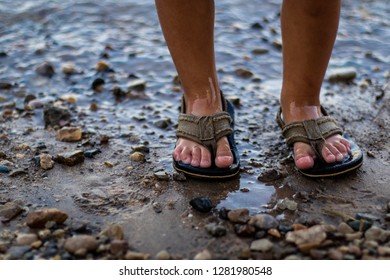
x=335 y=149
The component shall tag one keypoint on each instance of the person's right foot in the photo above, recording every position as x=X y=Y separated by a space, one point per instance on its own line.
x=190 y=152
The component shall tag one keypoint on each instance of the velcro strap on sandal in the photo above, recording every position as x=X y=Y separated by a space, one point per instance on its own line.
x=313 y=132
x=205 y=130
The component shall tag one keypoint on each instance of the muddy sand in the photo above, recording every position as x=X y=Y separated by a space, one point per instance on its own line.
x=89 y=100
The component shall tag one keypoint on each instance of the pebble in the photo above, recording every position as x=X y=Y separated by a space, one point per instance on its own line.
x=18 y=172
x=70 y=98
x=313 y=235
x=361 y=225
x=4 y=169
x=68 y=68
x=69 y=134
x=163 y=255
x=262 y=245
x=263 y=221
x=178 y=176
x=97 y=84
x=239 y=215
x=113 y=232
x=140 y=148
x=244 y=230
x=203 y=255
x=377 y=234
x=70 y=158
x=17 y=252
x=80 y=245
x=287 y=203
x=38 y=218
x=45 y=69
x=26 y=239
x=161 y=176
x=269 y=175
x=344 y=228
x=54 y=116
x=201 y=204
x=274 y=232
x=10 y=210
x=157 y=207
x=119 y=247
x=46 y=161
x=102 y=66
x=216 y=230
x=130 y=255
x=137 y=156
x=243 y=73
x=91 y=153
x=343 y=75
x=137 y=85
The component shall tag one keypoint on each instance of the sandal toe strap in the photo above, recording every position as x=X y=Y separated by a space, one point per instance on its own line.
x=205 y=130
x=313 y=132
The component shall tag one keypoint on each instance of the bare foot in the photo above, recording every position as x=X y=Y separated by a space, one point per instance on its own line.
x=190 y=152
x=335 y=149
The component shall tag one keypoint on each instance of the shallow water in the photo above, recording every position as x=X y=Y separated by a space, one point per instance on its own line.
x=127 y=32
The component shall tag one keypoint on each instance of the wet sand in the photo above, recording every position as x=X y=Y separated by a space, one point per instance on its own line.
x=106 y=65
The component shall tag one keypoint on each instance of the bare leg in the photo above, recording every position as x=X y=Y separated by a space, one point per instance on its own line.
x=309 y=30
x=188 y=28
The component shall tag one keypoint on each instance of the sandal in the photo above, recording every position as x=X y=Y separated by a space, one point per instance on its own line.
x=314 y=132
x=206 y=131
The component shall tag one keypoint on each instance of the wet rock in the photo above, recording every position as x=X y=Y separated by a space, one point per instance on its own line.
x=10 y=210
x=216 y=230
x=313 y=236
x=287 y=203
x=18 y=172
x=119 y=247
x=70 y=98
x=91 y=153
x=5 y=85
x=26 y=239
x=69 y=134
x=97 y=84
x=264 y=221
x=274 y=232
x=163 y=255
x=203 y=255
x=54 y=116
x=130 y=255
x=17 y=252
x=137 y=156
x=244 y=230
x=102 y=66
x=34 y=104
x=344 y=228
x=259 y=51
x=359 y=225
x=366 y=216
x=80 y=245
x=157 y=207
x=141 y=149
x=45 y=69
x=163 y=124
x=243 y=73
x=344 y=75
x=223 y=213
x=69 y=69
x=377 y=234
x=269 y=175
x=38 y=218
x=113 y=232
x=70 y=158
x=118 y=92
x=137 y=85
x=201 y=204
x=180 y=177
x=4 y=169
x=262 y=245
x=239 y=215
x=161 y=176
x=46 y=161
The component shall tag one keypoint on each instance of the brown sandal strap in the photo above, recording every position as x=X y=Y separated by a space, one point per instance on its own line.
x=313 y=132
x=205 y=130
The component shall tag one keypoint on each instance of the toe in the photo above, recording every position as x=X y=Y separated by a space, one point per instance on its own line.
x=205 y=158
x=224 y=157
x=303 y=156
x=186 y=155
x=196 y=156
